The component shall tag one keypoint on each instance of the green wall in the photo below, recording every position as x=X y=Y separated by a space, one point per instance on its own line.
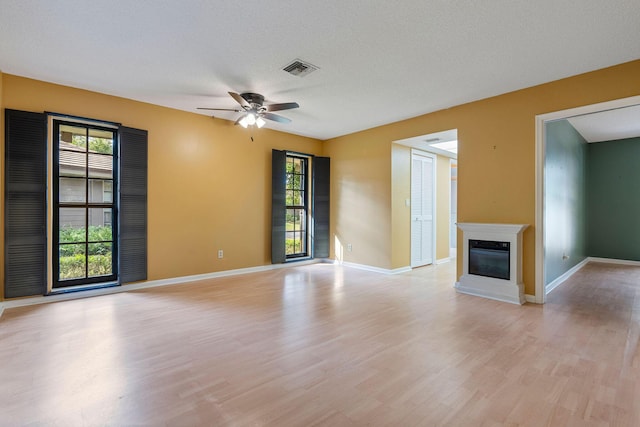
x=564 y=199
x=613 y=201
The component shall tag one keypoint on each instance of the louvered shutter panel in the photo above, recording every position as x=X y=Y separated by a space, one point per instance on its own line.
x=278 y=206
x=321 y=190
x=25 y=203
x=133 y=205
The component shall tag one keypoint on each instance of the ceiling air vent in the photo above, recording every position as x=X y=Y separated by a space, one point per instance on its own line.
x=300 y=68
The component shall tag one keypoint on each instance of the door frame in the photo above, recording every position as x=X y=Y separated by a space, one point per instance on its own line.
x=540 y=124
x=434 y=159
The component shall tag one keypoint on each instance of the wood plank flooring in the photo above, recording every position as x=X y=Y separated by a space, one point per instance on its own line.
x=328 y=345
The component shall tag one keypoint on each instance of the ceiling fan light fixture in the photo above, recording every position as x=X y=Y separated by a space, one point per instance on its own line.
x=244 y=122
x=251 y=119
x=260 y=122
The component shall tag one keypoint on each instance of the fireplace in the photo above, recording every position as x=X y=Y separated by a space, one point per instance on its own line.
x=489 y=258
x=492 y=261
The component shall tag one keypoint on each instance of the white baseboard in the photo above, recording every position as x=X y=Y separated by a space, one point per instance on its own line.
x=149 y=284
x=530 y=298
x=614 y=261
x=443 y=260
x=558 y=281
x=489 y=294
x=374 y=269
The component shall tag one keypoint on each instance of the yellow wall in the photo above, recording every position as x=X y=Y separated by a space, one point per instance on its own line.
x=361 y=199
x=209 y=185
x=443 y=197
x=496 y=181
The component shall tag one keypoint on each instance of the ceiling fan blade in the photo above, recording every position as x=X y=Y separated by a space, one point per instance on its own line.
x=275 y=118
x=240 y=100
x=220 y=109
x=283 y=106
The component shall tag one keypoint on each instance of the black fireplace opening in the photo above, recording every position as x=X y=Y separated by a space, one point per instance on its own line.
x=490 y=259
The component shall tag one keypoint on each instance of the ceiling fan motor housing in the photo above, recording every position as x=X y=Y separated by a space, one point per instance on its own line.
x=255 y=99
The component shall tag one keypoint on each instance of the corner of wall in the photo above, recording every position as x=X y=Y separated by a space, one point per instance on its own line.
x=1 y=190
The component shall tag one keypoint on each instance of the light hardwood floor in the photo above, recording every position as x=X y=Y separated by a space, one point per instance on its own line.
x=328 y=345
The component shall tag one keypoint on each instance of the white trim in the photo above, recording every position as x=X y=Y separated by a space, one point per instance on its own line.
x=509 y=290
x=530 y=298
x=539 y=211
x=148 y=284
x=558 y=281
x=614 y=261
x=374 y=269
x=485 y=293
x=540 y=120
x=443 y=260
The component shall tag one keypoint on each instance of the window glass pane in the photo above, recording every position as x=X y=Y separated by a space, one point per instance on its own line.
x=303 y=243
x=107 y=191
x=298 y=248
x=290 y=244
x=100 y=166
x=296 y=202
x=72 y=138
x=73 y=163
x=100 y=259
x=100 y=191
x=290 y=218
x=72 y=225
x=72 y=190
x=99 y=230
x=101 y=141
x=72 y=261
x=300 y=219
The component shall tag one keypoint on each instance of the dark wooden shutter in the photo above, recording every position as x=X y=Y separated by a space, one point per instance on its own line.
x=133 y=205
x=321 y=190
x=25 y=204
x=278 y=206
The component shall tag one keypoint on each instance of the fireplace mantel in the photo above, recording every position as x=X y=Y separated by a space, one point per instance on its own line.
x=511 y=290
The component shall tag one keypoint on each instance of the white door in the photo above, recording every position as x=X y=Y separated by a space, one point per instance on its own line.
x=422 y=209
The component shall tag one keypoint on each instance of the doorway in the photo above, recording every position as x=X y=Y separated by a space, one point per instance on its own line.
x=545 y=284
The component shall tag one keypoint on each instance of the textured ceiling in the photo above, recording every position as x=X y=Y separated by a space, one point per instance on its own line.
x=380 y=61
x=609 y=125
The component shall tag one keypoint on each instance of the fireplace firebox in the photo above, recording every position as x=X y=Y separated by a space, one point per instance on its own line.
x=489 y=258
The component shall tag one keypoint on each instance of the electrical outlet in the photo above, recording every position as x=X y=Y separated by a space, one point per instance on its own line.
x=349 y=247
x=220 y=253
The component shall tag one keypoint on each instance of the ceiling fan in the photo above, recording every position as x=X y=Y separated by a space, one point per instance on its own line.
x=254 y=109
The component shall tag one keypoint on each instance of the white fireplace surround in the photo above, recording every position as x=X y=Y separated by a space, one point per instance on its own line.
x=511 y=290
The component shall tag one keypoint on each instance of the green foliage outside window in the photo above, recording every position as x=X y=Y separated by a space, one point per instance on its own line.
x=96 y=145
x=72 y=257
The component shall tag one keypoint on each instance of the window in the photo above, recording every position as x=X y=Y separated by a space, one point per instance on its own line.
x=84 y=222
x=86 y=162
x=297 y=205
